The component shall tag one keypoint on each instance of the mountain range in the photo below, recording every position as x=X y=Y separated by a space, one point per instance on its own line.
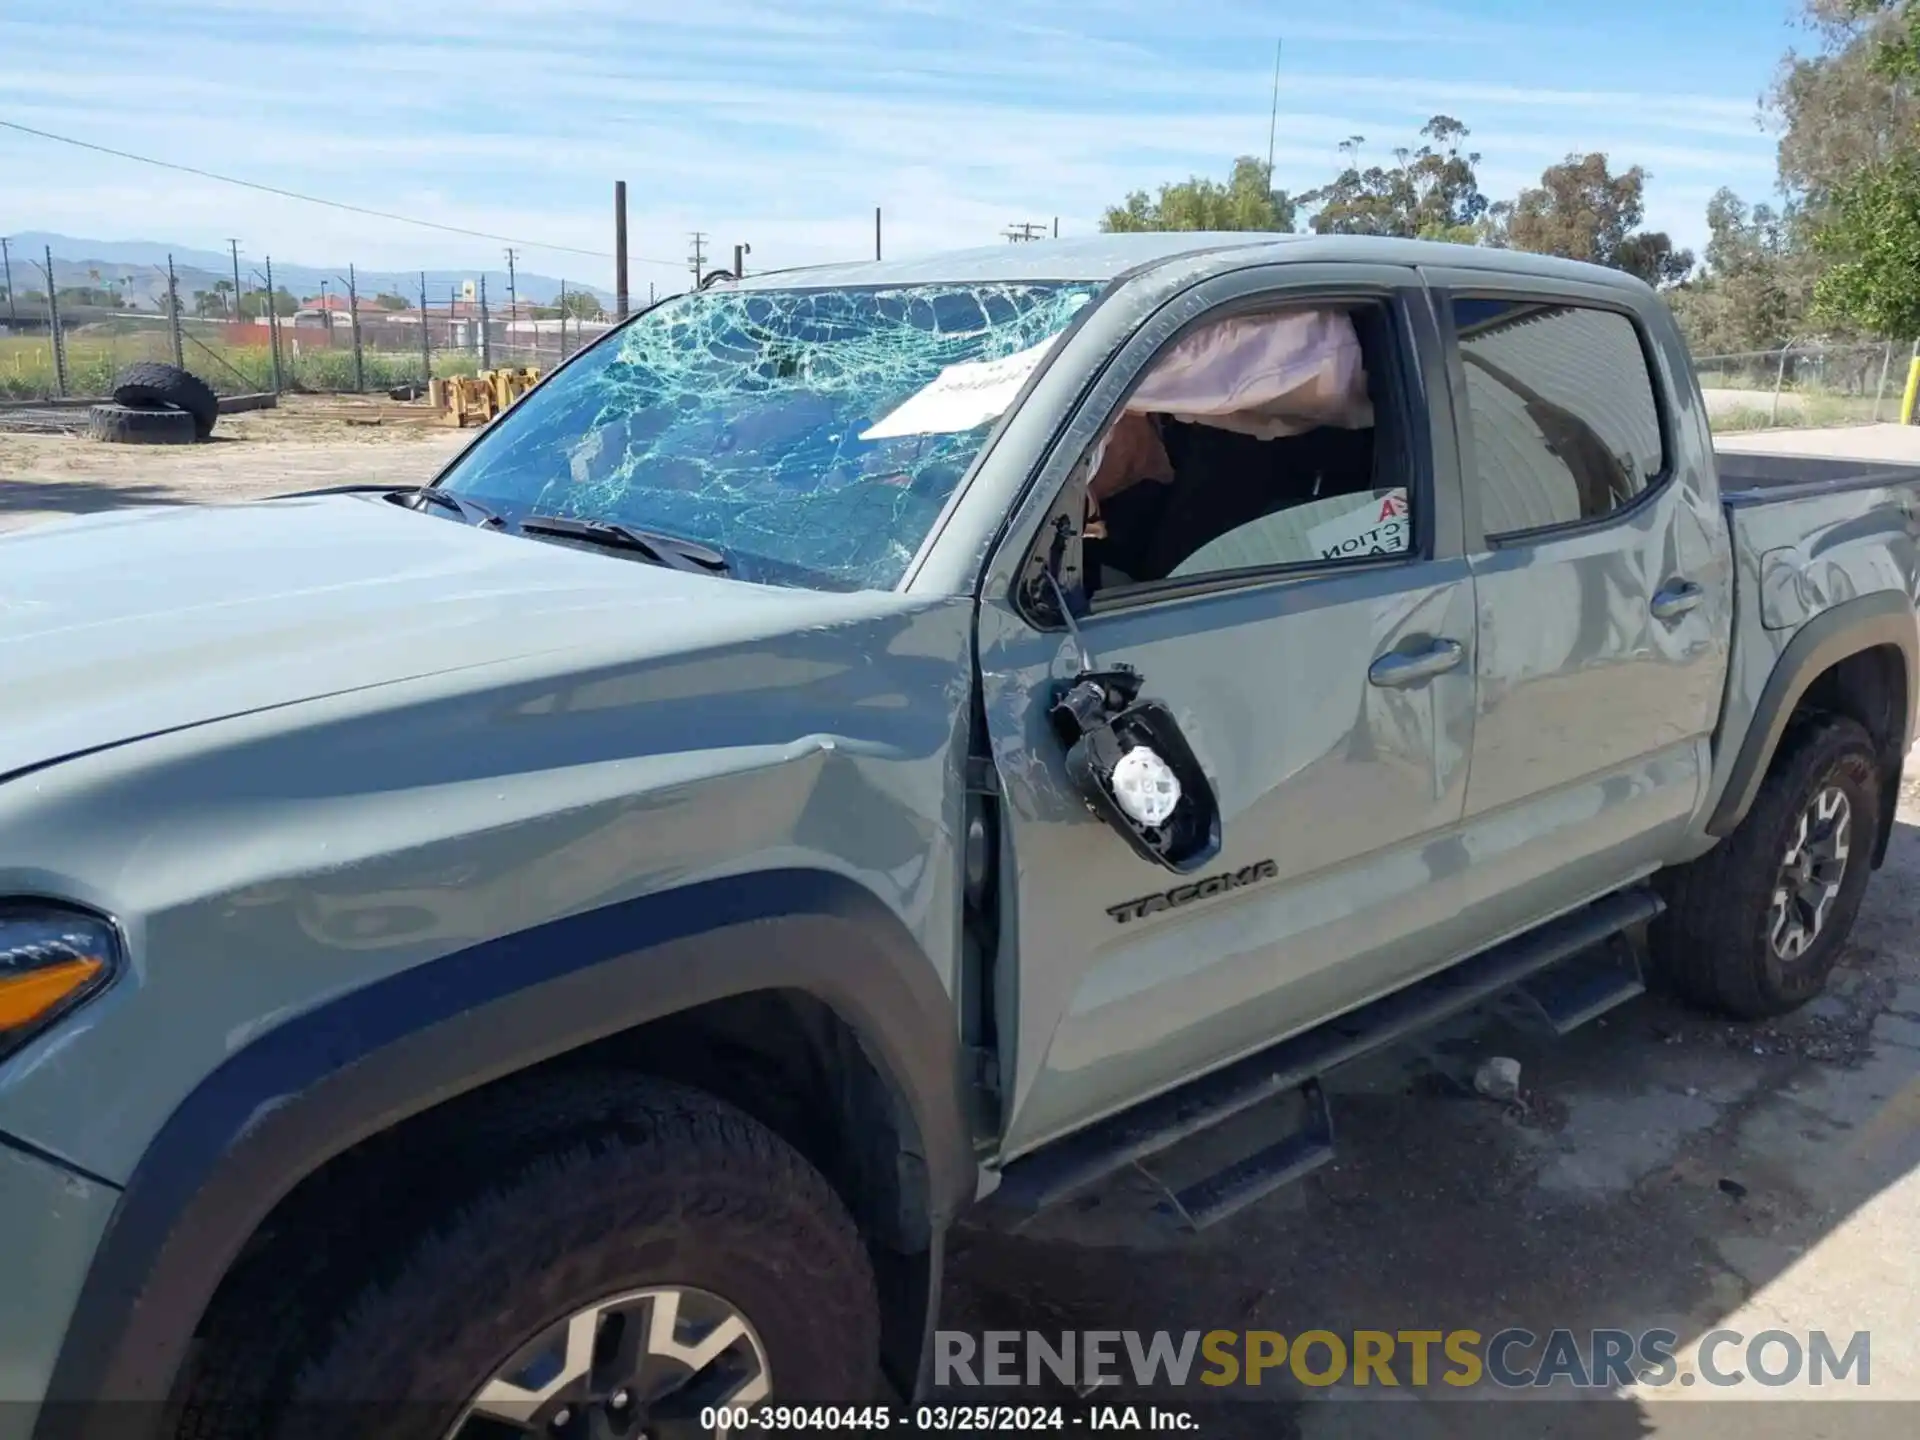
x=138 y=269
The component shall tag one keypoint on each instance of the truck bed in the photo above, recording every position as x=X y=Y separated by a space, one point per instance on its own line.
x=1748 y=477
x=1811 y=535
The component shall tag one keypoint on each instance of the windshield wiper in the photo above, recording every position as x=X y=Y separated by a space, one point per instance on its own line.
x=466 y=509
x=668 y=550
x=471 y=511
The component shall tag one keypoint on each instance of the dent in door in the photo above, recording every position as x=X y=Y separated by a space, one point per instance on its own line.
x=1343 y=787
x=1577 y=677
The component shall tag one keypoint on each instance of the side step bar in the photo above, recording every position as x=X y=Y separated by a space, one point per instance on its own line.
x=1233 y=1187
x=1585 y=986
x=1036 y=1181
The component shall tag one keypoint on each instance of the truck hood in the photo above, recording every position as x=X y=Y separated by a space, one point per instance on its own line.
x=138 y=622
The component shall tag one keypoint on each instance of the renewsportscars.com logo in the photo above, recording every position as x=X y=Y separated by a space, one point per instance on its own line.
x=1513 y=1358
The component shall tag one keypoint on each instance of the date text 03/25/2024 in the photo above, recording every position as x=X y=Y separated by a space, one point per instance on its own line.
x=951 y=1419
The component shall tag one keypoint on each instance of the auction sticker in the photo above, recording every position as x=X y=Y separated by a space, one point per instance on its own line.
x=1378 y=525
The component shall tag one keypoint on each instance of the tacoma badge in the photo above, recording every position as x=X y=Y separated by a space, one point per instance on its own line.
x=1198 y=890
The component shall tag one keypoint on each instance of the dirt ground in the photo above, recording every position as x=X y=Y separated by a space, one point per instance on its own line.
x=1658 y=1168
x=308 y=443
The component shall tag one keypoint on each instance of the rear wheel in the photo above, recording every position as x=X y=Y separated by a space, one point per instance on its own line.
x=1754 y=926
x=666 y=1256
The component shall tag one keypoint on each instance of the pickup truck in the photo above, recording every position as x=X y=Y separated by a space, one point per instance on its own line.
x=559 y=946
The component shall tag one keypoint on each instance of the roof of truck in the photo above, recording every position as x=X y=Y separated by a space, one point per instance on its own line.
x=1102 y=257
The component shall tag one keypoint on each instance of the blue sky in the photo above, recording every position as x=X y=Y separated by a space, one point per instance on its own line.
x=784 y=124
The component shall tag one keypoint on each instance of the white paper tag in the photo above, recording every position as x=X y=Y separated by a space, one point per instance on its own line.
x=1378 y=526
x=961 y=396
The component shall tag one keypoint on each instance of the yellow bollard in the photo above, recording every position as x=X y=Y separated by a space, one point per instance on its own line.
x=1913 y=392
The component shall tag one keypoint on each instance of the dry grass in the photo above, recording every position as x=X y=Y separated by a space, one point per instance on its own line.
x=27 y=369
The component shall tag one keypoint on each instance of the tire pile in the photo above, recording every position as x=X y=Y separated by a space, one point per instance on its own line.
x=155 y=404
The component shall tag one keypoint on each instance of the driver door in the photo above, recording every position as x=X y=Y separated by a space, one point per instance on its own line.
x=1308 y=689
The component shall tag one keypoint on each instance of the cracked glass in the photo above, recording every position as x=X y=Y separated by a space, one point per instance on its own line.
x=813 y=436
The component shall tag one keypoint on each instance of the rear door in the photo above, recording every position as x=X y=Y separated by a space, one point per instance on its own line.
x=1330 y=703
x=1604 y=597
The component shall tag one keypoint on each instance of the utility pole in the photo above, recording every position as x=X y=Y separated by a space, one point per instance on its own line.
x=698 y=258
x=173 y=316
x=1022 y=230
x=486 y=341
x=6 y=262
x=1273 y=118
x=326 y=315
x=876 y=232
x=563 y=319
x=53 y=330
x=273 y=328
x=426 y=335
x=234 y=245
x=620 y=249
x=513 y=301
x=1056 y=227
x=353 y=319
x=740 y=253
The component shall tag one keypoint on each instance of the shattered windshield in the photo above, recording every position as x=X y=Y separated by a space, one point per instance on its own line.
x=812 y=436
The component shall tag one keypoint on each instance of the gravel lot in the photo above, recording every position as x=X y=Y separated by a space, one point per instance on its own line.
x=306 y=444
x=1658 y=1169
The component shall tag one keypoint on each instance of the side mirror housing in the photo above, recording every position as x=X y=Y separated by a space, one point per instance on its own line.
x=1103 y=724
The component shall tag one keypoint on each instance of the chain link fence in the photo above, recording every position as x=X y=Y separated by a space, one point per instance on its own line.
x=367 y=334
x=372 y=333
x=1806 y=385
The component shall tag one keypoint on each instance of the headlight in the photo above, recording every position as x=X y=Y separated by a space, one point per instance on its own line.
x=50 y=961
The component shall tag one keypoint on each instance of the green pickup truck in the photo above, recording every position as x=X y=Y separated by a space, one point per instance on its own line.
x=554 y=950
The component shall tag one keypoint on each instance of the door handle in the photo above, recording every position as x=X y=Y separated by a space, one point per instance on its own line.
x=1676 y=600
x=1398 y=669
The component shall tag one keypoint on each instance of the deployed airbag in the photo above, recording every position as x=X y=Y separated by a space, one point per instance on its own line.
x=1263 y=375
x=1267 y=376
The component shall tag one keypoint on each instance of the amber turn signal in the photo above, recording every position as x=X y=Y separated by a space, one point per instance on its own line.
x=25 y=998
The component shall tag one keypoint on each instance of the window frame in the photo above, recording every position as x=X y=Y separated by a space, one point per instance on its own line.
x=1444 y=297
x=1399 y=305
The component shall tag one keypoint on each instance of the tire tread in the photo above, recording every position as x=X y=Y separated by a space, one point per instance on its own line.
x=153 y=382
x=556 y=1169
x=1706 y=943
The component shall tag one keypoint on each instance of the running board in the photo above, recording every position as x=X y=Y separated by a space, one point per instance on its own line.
x=1232 y=1188
x=1051 y=1174
x=1586 y=986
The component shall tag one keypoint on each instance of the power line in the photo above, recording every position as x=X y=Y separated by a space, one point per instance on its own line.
x=319 y=200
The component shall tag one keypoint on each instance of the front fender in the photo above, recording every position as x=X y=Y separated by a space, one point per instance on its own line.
x=302 y=1093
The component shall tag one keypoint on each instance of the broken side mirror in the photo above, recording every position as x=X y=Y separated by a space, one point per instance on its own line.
x=1126 y=756
x=1135 y=770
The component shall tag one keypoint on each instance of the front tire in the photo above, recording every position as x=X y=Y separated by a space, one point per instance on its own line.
x=1753 y=927
x=676 y=1256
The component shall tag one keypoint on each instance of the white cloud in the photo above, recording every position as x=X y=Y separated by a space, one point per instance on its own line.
x=779 y=124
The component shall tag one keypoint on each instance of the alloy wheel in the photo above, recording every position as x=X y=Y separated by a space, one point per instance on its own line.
x=1810 y=874
x=646 y=1365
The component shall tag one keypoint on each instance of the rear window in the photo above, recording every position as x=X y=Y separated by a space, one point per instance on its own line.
x=1563 y=422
